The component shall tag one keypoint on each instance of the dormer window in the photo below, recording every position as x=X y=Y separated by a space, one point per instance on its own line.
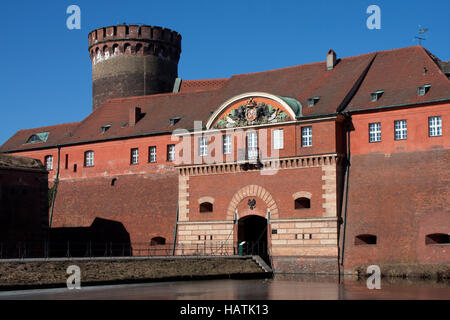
x=38 y=137
x=374 y=96
x=173 y=121
x=103 y=129
x=421 y=91
x=312 y=101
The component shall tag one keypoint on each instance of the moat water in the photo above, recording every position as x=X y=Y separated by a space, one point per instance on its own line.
x=281 y=287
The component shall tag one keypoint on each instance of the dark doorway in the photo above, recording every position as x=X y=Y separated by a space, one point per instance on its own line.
x=253 y=230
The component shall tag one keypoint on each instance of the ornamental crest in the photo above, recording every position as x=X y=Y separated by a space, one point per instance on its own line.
x=251 y=113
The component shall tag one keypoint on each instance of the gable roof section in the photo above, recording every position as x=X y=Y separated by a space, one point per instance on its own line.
x=399 y=73
x=56 y=134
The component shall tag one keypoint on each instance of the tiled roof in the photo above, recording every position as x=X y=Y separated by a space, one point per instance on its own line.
x=346 y=87
x=201 y=85
x=56 y=134
x=399 y=73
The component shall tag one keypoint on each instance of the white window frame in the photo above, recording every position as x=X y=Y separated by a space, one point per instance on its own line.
x=170 y=152
x=226 y=142
x=203 y=146
x=252 y=145
x=435 y=126
x=49 y=162
x=277 y=139
x=307 y=136
x=375 y=132
x=152 y=154
x=134 y=155
x=89 y=158
x=401 y=129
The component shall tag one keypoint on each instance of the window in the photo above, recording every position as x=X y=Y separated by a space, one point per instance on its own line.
x=206 y=207
x=89 y=158
x=312 y=101
x=435 y=126
x=306 y=136
x=227 y=144
x=134 y=156
x=171 y=152
x=152 y=154
x=302 y=203
x=157 y=241
x=252 y=145
x=400 y=130
x=437 y=238
x=375 y=132
x=365 y=239
x=277 y=141
x=49 y=163
x=421 y=91
x=374 y=96
x=173 y=121
x=66 y=163
x=203 y=146
x=103 y=129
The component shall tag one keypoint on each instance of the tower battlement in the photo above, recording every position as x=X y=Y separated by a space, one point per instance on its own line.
x=133 y=60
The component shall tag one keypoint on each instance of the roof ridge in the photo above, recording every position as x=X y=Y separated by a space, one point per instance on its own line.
x=53 y=125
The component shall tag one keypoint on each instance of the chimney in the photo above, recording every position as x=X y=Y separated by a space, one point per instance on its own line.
x=133 y=116
x=331 y=59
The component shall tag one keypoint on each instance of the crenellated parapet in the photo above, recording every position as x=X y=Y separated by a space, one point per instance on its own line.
x=108 y=42
x=133 y=60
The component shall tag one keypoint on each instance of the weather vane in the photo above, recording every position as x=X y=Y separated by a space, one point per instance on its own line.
x=421 y=32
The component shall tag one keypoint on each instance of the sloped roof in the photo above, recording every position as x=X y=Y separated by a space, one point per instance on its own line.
x=55 y=134
x=399 y=73
x=346 y=87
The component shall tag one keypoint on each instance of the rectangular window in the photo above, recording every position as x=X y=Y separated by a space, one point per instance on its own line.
x=400 y=129
x=134 y=156
x=152 y=154
x=252 y=145
x=227 y=144
x=49 y=163
x=89 y=159
x=375 y=132
x=202 y=146
x=66 y=165
x=171 y=152
x=277 y=139
x=435 y=126
x=306 y=136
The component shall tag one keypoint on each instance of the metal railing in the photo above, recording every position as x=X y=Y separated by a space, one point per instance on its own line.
x=72 y=249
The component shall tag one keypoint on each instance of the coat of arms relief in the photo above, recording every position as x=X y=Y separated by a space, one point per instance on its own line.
x=252 y=113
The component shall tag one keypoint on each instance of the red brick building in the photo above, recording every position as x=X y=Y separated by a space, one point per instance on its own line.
x=343 y=161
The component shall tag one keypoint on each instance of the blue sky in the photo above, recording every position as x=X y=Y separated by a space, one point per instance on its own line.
x=46 y=71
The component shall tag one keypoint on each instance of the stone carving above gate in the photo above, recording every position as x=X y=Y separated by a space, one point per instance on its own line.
x=254 y=108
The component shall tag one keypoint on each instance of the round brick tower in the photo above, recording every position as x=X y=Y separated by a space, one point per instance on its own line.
x=133 y=60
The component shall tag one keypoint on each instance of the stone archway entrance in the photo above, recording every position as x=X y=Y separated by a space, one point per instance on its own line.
x=252 y=231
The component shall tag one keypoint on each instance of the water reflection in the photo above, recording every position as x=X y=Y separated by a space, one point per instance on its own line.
x=281 y=287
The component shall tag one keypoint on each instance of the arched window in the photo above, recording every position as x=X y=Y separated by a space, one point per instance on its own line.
x=302 y=203
x=115 y=49
x=89 y=158
x=127 y=48
x=437 y=238
x=157 y=241
x=365 y=239
x=206 y=207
